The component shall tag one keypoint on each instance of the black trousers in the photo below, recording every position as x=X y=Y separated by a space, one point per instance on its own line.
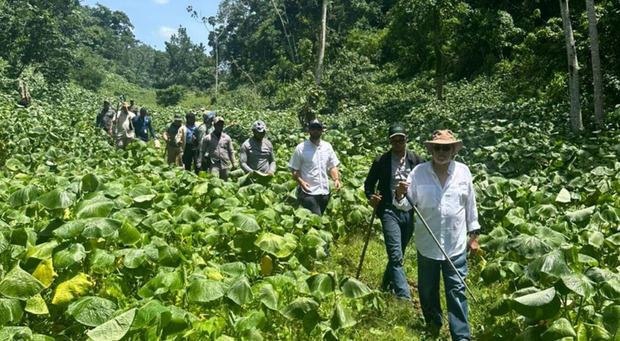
x=189 y=156
x=315 y=203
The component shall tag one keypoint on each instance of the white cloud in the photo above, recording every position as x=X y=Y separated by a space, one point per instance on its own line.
x=161 y=2
x=166 y=32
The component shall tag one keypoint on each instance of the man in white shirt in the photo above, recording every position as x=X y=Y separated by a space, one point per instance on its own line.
x=310 y=163
x=443 y=191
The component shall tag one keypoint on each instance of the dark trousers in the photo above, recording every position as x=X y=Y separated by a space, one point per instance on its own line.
x=188 y=157
x=397 y=231
x=315 y=203
x=428 y=286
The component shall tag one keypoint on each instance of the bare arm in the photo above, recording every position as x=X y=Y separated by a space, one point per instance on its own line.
x=336 y=177
x=297 y=176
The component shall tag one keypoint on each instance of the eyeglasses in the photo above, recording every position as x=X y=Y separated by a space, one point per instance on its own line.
x=442 y=147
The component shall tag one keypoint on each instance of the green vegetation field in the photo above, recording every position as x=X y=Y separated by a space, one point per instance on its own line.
x=106 y=244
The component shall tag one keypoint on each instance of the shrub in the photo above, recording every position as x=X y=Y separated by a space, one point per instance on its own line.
x=170 y=96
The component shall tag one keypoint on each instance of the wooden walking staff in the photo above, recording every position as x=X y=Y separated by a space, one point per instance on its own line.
x=372 y=220
x=443 y=251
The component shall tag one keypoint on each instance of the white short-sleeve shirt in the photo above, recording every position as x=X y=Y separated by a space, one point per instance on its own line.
x=313 y=162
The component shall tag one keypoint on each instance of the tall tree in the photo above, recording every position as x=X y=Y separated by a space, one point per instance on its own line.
x=599 y=114
x=322 y=38
x=573 y=69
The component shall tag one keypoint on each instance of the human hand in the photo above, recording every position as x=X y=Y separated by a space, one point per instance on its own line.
x=472 y=245
x=337 y=184
x=375 y=199
x=304 y=185
x=401 y=189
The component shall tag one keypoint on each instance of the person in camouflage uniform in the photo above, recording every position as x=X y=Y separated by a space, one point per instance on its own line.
x=105 y=117
x=175 y=136
x=205 y=128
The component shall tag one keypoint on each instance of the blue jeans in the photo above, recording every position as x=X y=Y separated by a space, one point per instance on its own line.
x=397 y=231
x=428 y=286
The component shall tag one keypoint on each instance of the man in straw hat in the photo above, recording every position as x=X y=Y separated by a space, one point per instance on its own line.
x=443 y=191
x=388 y=170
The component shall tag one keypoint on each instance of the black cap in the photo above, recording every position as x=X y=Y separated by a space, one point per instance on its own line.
x=397 y=129
x=315 y=124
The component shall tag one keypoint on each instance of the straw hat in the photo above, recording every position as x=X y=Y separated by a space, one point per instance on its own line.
x=444 y=137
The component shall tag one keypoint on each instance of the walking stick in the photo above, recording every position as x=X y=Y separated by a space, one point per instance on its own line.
x=428 y=229
x=372 y=220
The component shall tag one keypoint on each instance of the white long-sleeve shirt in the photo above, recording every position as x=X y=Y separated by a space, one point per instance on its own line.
x=450 y=211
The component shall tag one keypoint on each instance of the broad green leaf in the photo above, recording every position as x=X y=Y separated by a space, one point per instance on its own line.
x=144 y=198
x=36 y=305
x=559 y=329
x=563 y=196
x=611 y=318
x=152 y=313
x=101 y=228
x=538 y=306
x=245 y=223
x=96 y=208
x=90 y=183
x=200 y=189
x=162 y=283
x=614 y=240
x=551 y=264
x=10 y=311
x=71 y=289
x=255 y=320
x=91 y=310
x=15 y=333
x=611 y=288
x=56 y=199
x=240 y=291
x=278 y=246
x=353 y=288
x=70 y=229
x=594 y=238
x=298 y=309
x=102 y=262
x=581 y=215
x=321 y=285
x=204 y=290
x=114 y=329
x=134 y=258
x=20 y=284
x=341 y=318
x=67 y=257
x=580 y=284
x=528 y=246
x=188 y=214
x=269 y=296
x=128 y=234
x=235 y=269
x=24 y=196
x=45 y=272
x=42 y=251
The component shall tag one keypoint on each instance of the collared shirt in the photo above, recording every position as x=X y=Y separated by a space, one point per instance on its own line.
x=176 y=135
x=104 y=119
x=123 y=126
x=143 y=126
x=450 y=211
x=400 y=170
x=313 y=162
x=189 y=134
x=255 y=155
x=218 y=150
x=202 y=130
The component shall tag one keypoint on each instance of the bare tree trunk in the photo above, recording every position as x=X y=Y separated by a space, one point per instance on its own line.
x=573 y=69
x=599 y=114
x=288 y=38
x=319 y=67
x=438 y=54
x=217 y=61
x=247 y=75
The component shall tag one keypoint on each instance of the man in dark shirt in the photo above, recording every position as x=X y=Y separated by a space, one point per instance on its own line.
x=142 y=125
x=388 y=170
x=104 y=118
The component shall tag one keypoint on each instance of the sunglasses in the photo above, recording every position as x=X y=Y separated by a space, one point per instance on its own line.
x=442 y=147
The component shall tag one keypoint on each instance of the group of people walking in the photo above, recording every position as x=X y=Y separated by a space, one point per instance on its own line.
x=441 y=189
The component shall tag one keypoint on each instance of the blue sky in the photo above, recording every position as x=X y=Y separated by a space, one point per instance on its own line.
x=155 y=21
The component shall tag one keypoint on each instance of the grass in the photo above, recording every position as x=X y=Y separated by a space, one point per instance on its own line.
x=399 y=320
